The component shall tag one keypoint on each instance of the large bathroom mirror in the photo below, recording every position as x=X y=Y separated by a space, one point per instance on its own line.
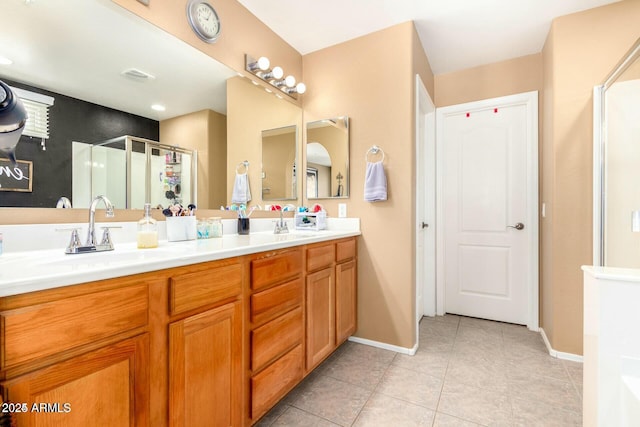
x=327 y=168
x=617 y=165
x=104 y=74
x=279 y=157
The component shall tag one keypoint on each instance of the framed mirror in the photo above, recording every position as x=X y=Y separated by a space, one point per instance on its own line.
x=327 y=154
x=279 y=154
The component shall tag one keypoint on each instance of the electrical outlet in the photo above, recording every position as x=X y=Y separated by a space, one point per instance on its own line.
x=342 y=210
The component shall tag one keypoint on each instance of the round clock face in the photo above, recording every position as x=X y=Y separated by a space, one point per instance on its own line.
x=204 y=20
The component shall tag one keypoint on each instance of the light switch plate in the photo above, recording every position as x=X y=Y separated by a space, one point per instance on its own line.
x=342 y=210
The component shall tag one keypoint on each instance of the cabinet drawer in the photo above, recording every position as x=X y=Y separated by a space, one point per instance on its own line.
x=53 y=327
x=345 y=250
x=193 y=290
x=274 y=382
x=276 y=337
x=274 y=269
x=320 y=256
x=267 y=304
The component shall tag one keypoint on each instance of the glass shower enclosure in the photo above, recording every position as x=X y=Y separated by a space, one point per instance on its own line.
x=616 y=158
x=132 y=171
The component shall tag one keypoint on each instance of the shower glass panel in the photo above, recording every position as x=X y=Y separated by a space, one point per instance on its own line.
x=132 y=171
x=617 y=164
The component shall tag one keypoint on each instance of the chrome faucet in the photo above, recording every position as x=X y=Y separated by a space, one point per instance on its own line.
x=281 y=226
x=91 y=245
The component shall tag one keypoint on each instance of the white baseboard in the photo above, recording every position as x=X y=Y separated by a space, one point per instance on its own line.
x=385 y=346
x=560 y=354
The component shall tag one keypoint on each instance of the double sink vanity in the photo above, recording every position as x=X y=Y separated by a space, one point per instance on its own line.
x=207 y=332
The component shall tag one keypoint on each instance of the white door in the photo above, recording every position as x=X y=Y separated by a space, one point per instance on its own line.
x=425 y=203
x=489 y=208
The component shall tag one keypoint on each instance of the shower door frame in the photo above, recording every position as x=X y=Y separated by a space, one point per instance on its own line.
x=599 y=151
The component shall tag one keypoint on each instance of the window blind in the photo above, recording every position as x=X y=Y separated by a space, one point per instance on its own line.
x=37 y=106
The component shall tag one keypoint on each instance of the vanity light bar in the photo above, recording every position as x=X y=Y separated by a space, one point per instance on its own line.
x=261 y=68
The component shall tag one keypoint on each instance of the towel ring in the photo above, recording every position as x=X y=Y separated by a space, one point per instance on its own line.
x=374 y=150
x=242 y=167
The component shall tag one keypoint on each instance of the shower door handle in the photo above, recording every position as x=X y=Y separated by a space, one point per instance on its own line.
x=518 y=226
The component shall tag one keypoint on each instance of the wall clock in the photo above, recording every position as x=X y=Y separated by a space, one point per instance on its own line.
x=203 y=20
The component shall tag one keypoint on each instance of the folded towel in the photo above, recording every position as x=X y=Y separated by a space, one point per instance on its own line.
x=375 y=183
x=241 y=192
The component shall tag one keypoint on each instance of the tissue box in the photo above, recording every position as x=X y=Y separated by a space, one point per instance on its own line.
x=311 y=221
x=181 y=228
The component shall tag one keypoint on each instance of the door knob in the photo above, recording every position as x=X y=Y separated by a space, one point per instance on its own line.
x=424 y=225
x=518 y=226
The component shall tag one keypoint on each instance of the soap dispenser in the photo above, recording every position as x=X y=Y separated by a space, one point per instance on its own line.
x=147 y=230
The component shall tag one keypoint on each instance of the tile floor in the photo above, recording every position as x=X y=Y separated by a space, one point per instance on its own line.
x=467 y=372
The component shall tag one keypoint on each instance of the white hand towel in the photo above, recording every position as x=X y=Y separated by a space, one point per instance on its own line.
x=375 y=183
x=241 y=192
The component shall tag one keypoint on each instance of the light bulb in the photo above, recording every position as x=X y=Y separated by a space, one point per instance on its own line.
x=290 y=81
x=301 y=88
x=277 y=73
x=263 y=63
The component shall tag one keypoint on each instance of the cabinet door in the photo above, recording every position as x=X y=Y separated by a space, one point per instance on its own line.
x=205 y=368
x=106 y=387
x=346 y=300
x=320 y=307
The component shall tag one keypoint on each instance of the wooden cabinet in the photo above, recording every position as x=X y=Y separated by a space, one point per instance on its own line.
x=320 y=326
x=211 y=344
x=346 y=300
x=331 y=298
x=161 y=348
x=276 y=328
x=104 y=387
x=205 y=368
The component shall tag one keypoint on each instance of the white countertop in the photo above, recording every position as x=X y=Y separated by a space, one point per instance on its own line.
x=22 y=272
x=613 y=273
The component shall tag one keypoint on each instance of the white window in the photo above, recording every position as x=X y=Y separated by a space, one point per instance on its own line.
x=37 y=106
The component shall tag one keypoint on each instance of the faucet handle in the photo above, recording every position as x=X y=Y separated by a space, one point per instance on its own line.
x=74 y=242
x=106 y=235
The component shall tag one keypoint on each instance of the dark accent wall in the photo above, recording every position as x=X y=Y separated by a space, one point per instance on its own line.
x=70 y=119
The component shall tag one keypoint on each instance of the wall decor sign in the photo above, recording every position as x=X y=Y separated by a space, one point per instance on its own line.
x=16 y=177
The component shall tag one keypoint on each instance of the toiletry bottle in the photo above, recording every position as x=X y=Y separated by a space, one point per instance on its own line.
x=147 y=230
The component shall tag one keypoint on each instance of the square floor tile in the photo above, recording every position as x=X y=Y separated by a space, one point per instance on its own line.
x=410 y=386
x=333 y=400
x=386 y=411
x=475 y=404
x=444 y=420
x=528 y=413
x=295 y=417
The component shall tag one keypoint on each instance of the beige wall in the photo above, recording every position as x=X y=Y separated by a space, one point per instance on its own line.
x=242 y=33
x=278 y=157
x=250 y=110
x=383 y=114
x=503 y=78
x=580 y=52
x=205 y=131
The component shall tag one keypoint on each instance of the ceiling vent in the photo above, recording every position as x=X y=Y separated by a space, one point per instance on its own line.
x=137 y=75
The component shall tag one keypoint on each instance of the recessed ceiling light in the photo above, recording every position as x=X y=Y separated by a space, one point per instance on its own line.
x=137 y=74
x=158 y=107
x=5 y=61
